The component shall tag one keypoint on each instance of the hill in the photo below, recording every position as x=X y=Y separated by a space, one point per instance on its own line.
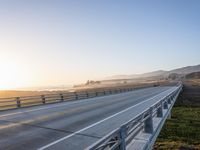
x=194 y=75
x=181 y=71
x=186 y=70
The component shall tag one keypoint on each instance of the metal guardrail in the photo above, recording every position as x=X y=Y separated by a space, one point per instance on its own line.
x=18 y=102
x=121 y=137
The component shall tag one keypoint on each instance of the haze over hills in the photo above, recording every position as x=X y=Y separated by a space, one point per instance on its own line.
x=181 y=71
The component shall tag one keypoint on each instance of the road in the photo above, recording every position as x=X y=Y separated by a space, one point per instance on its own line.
x=73 y=125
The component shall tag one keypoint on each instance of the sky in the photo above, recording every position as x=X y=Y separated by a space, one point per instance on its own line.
x=61 y=42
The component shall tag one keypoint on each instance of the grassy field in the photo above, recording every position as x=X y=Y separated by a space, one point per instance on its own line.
x=182 y=131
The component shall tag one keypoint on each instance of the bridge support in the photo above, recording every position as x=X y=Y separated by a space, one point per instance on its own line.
x=122 y=133
x=160 y=111
x=148 y=123
x=169 y=101
x=165 y=105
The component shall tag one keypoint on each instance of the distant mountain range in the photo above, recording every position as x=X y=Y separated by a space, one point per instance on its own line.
x=181 y=71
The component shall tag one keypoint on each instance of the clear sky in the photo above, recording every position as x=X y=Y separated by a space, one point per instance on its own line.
x=57 y=42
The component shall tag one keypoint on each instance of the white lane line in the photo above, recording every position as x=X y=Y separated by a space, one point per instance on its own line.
x=92 y=125
x=58 y=105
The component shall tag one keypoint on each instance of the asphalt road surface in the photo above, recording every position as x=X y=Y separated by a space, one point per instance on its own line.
x=73 y=125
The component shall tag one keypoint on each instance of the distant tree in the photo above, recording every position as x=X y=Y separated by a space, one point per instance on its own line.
x=173 y=76
x=88 y=82
x=91 y=82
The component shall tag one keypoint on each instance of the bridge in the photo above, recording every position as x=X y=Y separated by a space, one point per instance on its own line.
x=120 y=119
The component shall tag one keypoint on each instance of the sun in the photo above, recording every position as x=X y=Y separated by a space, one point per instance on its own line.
x=11 y=74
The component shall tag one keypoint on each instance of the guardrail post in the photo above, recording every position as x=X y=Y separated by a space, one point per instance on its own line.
x=172 y=98
x=104 y=92
x=169 y=100
x=165 y=105
x=122 y=133
x=87 y=94
x=18 y=102
x=43 y=99
x=76 y=95
x=148 y=123
x=160 y=111
x=96 y=93
x=61 y=97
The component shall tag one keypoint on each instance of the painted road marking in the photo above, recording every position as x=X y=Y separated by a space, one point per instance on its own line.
x=92 y=125
x=57 y=105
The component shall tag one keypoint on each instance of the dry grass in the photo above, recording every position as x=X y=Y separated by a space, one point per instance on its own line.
x=192 y=82
x=12 y=93
x=175 y=145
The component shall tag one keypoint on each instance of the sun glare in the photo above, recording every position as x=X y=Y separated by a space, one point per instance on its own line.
x=11 y=75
